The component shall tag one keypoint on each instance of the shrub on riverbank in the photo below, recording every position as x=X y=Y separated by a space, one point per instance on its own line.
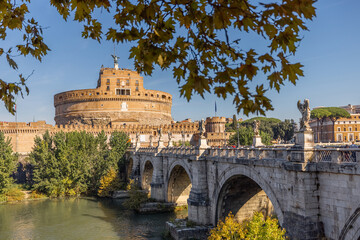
x=137 y=197
x=109 y=183
x=69 y=164
x=256 y=228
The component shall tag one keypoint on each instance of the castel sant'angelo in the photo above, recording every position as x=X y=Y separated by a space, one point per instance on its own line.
x=118 y=103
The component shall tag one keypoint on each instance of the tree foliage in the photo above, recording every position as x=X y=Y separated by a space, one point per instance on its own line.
x=8 y=162
x=332 y=113
x=246 y=135
x=72 y=163
x=14 y=16
x=109 y=183
x=256 y=228
x=270 y=129
x=201 y=41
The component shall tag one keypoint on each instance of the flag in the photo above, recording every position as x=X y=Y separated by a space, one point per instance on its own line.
x=215 y=108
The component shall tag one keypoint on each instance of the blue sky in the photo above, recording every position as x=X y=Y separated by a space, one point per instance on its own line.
x=330 y=54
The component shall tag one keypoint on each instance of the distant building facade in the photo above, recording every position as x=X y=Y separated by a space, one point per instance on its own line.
x=343 y=130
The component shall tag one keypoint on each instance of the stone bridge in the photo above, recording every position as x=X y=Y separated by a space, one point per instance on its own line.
x=315 y=193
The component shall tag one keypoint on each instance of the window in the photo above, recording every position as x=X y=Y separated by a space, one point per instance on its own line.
x=107 y=81
x=351 y=137
x=350 y=129
x=136 y=83
x=344 y=129
x=137 y=89
x=339 y=137
x=122 y=91
x=339 y=129
x=107 y=88
x=127 y=82
x=118 y=82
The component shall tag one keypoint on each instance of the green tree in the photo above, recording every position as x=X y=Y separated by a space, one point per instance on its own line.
x=235 y=122
x=8 y=162
x=284 y=130
x=74 y=162
x=335 y=114
x=320 y=114
x=255 y=228
x=246 y=135
x=191 y=37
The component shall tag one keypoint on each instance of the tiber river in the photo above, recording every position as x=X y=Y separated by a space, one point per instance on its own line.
x=83 y=218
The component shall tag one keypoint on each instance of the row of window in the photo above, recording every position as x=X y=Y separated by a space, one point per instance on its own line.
x=350 y=129
x=350 y=137
x=122 y=82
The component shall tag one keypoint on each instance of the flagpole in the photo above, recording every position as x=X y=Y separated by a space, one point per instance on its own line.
x=16 y=127
x=215 y=109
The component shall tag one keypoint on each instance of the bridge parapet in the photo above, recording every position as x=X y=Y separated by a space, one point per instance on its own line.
x=329 y=155
x=336 y=155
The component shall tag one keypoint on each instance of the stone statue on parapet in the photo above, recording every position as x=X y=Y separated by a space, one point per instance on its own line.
x=160 y=133
x=256 y=125
x=151 y=140
x=202 y=128
x=170 y=137
x=304 y=109
x=137 y=137
x=183 y=138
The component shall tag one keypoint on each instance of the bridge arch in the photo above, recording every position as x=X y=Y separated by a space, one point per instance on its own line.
x=147 y=169
x=179 y=183
x=351 y=229
x=243 y=186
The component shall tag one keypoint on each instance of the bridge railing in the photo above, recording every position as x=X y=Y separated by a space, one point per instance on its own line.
x=331 y=155
x=249 y=153
x=336 y=155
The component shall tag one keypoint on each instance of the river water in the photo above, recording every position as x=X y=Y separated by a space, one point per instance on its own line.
x=82 y=218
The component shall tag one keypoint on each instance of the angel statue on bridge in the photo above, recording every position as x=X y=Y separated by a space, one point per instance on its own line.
x=304 y=109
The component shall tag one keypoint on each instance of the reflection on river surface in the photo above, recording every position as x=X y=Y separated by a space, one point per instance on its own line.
x=82 y=218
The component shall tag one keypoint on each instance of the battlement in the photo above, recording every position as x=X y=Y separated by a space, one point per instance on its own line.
x=216 y=120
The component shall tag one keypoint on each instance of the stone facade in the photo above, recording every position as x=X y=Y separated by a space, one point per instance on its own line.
x=22 y=134
x=344 y=129
x=120 y=98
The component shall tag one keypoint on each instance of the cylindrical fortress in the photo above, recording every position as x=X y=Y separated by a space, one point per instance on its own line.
x=215 y=124
x=119 y=99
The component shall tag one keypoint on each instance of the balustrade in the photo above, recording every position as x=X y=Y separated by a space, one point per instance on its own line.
x=331 y=155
